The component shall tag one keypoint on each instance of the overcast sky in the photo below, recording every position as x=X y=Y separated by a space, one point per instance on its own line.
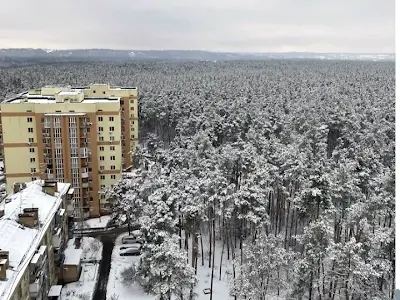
x=221 y=25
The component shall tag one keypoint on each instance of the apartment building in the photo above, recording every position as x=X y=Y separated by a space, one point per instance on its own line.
x=82 y=135
x=33 y=236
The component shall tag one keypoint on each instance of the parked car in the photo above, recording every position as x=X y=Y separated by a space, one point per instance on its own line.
x=131 y=251
x=134 y=237
x=136 y=245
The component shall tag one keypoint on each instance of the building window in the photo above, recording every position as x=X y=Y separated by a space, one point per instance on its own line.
x=32 y=159
x=132 y=101
x=112 y=138
x=101 y=148
x=112 y=157
x=101 y=157
x=30 y=120
x=112 y=176
x=133 y=122
x=122 y=101
x=33 y=170
x=132 y=136
x=31 y=150
x=90 y=169
x=33 y=178
x=111 y=128
x=102 y=177
x=101 y=168
x=132 y=108
x=31 y=140
x=111 y=119
x=100 y=119
x=30 y=129
x=102 y=186
x=104 y=92
x=94 y=91
x=101 y=138
x=100 y=128
x=112 y=148
x=112 y=167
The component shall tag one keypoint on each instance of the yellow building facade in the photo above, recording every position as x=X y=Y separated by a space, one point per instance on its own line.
x=84 y=135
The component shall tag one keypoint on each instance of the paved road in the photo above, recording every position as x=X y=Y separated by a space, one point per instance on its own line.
x=100 y=292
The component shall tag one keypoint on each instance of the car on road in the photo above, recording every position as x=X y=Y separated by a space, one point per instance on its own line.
x=130 y=251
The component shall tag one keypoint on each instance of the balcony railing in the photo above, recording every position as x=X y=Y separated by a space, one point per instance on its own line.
x=84 y=174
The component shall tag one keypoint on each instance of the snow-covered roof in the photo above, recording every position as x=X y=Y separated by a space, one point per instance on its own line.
x=55 y=291
x=22 y=242
x=72 y=256
x=70 y=93
x=50 y=99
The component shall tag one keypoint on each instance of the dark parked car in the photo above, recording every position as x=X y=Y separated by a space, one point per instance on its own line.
x=130 y=251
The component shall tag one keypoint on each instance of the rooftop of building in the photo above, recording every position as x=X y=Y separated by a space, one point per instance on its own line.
x=21 y=242
x=50 y=93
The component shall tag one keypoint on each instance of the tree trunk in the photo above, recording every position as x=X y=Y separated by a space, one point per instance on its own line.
x=202 y=250
x=213 y=257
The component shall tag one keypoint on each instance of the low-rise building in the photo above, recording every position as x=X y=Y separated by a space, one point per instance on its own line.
x=33 y=236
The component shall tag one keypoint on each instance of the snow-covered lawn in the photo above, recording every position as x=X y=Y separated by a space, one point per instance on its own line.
x=100 y=222
x=92 y=249
x=84 y=288
x=91 y=255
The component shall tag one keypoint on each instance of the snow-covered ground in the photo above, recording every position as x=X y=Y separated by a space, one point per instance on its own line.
x=84 y=288
x=91 y=255
x=100 y=222
x=220 y=287
x=91 y=249
x=135 y=292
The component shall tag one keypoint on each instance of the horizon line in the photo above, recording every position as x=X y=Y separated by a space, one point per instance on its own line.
x=202 y=50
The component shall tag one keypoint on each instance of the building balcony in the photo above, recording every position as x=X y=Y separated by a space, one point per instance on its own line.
x=85 y=185
x=70 y=209
x=85 y=152
x=36 y=286
x=84 y=174
x=57 y=238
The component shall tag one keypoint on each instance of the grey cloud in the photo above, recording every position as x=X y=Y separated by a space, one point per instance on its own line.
x=232 y=25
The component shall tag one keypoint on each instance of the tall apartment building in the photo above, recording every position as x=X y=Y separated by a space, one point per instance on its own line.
x=33 y=236
x=83 y=135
